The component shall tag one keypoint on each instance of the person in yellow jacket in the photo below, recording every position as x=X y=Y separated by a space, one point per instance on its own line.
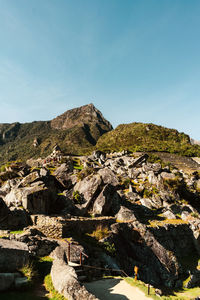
x=136 y=272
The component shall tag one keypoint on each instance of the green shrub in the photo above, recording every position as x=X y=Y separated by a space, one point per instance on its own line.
x=110 y=248
x=29 y=271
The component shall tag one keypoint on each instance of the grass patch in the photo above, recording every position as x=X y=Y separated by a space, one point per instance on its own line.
x=142 y=286
x=17 y=232
x=77 y=164
x=156 y=223
x=184 y=294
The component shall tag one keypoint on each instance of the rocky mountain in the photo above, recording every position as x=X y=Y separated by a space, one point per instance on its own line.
x=75 y=131
x=147 y=137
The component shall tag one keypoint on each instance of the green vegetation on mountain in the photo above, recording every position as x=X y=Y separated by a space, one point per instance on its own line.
x=75 y=131
x=81 y=130
x=147 y=137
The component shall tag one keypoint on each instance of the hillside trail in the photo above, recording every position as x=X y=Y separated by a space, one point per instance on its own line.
x=114 y=289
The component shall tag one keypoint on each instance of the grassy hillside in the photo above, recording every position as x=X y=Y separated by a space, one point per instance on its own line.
x=147 y=137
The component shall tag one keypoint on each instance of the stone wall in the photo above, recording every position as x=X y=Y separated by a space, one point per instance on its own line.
x=59 y=227
x=50 y=226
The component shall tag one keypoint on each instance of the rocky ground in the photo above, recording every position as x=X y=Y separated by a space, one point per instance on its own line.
x=118 y=210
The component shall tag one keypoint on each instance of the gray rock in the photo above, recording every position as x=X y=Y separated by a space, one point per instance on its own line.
x=37 y=243
x=169 y=214
x=108 y=176
x=167 y=176
x=44 y=172
x=8 y=185
x=147 y=202
x=107 y=201
x=35 y=199
x=99 y=154
x=13 y=255
x=185 y=215
x=132 y=196
x=89 y=188
x=121 y=171
x=14 y=198
x=32 y=177
x=67 y=167
x=125 y=214
x=152 y=178
x=65 y=281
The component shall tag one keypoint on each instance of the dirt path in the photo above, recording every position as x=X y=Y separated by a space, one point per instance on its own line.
x=114 y=289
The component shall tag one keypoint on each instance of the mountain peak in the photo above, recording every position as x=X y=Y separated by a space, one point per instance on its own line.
x=86 y=114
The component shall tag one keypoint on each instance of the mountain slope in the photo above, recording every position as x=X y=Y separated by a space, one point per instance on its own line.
x=147 y=137
x=75 y=131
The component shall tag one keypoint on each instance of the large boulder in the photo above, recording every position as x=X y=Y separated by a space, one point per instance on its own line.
x=108 y=176
x=8 y=186
x=13 y=255
x=65 y=281
x=147 y=202
x=29 y=179
x=125 y=214
x=63 y=174
x=37 y=243
x=35 y=199
x=108 y=201
x=89 y=188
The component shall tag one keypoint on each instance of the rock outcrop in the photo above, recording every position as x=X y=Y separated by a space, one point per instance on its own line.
x=65 y=281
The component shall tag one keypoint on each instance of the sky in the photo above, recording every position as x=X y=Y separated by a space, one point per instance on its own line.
x=135 y=60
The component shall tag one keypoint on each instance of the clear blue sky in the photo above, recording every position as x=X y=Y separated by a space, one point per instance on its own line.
x=136 y=60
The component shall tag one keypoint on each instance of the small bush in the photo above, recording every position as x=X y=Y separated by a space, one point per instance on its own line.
x=100 y=233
